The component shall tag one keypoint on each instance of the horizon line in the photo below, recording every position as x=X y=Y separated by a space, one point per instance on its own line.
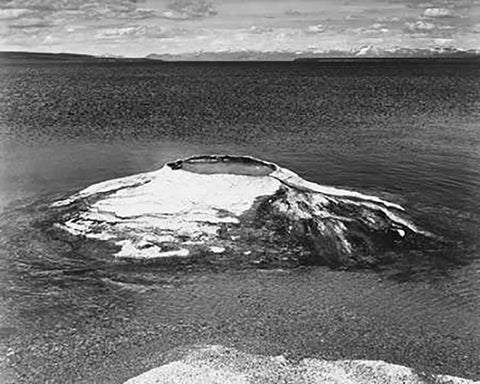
x=295 y=57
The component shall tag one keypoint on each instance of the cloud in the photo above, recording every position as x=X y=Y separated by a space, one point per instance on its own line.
x=437 y=12
x=31 y=23
x=12 y=13
x=419 y=26
x=387 y=19
x=189 y=9
x=37 y=22
x=88 y=9
x=138 y=14
x=443 y=42
x=292 y=12
x=58 y=5
x=316 y=28
x=259 y=29
x=116 y=32
x=448 y=5
x=354 y=17
x=130 y=27
x=375 y=28
x=40 y=22
x=138 y=31
x=447 y=27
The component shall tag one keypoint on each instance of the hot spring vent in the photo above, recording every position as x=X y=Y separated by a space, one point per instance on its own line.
x=239 y=206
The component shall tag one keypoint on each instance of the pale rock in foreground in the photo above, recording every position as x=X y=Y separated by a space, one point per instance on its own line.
x=220 y=365
x=236 y=206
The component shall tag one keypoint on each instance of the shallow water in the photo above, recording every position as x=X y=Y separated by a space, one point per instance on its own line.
x=408 y=134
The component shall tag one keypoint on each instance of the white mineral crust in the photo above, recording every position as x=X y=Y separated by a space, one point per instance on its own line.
x=167 y=212
x=220 y=365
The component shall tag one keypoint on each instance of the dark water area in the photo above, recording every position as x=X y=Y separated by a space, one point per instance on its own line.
x=408 y=133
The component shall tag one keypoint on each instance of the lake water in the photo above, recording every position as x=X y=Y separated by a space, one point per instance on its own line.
x=409 y=133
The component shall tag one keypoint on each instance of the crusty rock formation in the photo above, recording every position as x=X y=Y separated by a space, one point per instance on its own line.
x=238 y=206
x=220 y=365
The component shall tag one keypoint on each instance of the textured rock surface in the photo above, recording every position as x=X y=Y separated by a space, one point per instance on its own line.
x=220 y=365
x=237 y=205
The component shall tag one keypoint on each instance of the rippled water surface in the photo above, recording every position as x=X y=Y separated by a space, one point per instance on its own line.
x=408 y=133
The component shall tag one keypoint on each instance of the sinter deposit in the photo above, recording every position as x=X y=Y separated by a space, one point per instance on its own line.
x=238 y=206
x=220 y=365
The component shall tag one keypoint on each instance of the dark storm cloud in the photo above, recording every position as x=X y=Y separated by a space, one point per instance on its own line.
x=189 y=9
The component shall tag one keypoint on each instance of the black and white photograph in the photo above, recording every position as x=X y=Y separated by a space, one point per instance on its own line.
x=240 y=191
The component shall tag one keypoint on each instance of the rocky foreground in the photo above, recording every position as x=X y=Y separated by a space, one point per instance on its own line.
x=241 y=207
x=220 y=365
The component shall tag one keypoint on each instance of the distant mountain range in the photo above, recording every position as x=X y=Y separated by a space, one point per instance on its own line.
x=366 y=52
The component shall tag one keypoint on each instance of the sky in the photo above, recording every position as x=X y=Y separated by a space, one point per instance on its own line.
x=136 y=28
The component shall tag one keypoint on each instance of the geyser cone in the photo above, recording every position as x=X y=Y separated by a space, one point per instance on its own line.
x=239 y=206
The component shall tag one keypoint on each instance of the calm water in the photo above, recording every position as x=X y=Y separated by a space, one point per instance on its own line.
x=410 y=133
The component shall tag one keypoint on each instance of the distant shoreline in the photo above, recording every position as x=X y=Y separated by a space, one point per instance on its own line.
x=16 y=56
x=62 y=57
